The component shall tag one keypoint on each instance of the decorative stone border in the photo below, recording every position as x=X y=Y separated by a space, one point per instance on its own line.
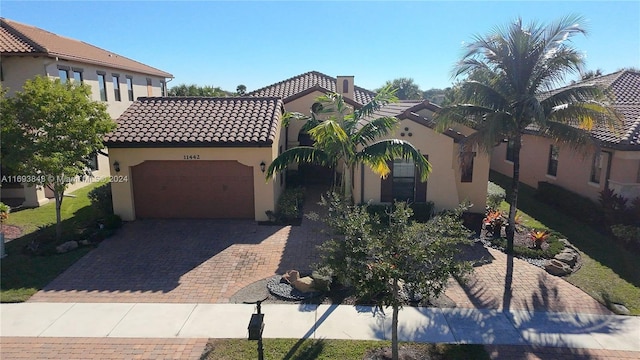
x=282 y=289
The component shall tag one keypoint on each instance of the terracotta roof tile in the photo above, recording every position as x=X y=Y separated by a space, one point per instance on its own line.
x=19 y=39
x=298 y=84
x=624 y=88
x=198 y=121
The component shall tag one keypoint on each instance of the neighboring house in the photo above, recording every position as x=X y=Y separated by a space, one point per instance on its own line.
x=587 y=172
x=205 y=157
x=27 y=51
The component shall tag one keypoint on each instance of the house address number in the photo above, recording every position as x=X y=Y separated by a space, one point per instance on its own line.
x=191 y=157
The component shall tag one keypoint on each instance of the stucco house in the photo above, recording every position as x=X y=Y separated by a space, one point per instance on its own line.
x=27 y=51
x=616 y=164
x=205 y=157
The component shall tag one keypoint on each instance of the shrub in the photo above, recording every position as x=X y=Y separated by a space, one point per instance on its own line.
x=495 y=195
x=290 y=203
x=614 y=207
x=422 y=212
x=101 y=199
x=570 y=203
x=628 y=234
x=112 y=222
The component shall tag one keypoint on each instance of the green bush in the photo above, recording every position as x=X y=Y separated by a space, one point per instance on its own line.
x=112 y=222
x=101 y=199
x=290 y=203
x=422 y=212
x=495 y=195
x=570 y=203
x=628 y=234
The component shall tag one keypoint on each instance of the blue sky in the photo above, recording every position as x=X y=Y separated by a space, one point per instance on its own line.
x=258 y=43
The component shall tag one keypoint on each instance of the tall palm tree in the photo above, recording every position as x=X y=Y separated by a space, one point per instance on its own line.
x=516 y=67
x=349 y=137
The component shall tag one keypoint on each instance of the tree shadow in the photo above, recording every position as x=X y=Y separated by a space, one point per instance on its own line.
x=291 y=354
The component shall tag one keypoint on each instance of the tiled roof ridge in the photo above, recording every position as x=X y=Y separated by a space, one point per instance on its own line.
x=286 y=80
x=314 y=72
x=6 y=23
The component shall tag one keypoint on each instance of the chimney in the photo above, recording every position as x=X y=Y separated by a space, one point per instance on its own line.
x=344 y=86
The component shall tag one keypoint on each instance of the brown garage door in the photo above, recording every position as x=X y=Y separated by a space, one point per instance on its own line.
x=193 y=189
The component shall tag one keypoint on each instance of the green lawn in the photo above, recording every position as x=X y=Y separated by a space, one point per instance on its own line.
x=23 y=275
x=608 y=270
x=241 y=349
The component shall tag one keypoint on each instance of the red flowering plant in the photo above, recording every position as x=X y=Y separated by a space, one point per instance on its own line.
x=493 y=222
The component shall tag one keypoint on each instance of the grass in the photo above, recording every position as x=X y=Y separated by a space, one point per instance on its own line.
x=608 y=270
x=23 y=275
x=309 y=349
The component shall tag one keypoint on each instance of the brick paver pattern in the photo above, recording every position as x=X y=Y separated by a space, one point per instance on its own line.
x=100 y=348
x=532 y=288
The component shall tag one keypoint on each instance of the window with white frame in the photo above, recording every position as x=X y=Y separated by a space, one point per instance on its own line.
x=552 y=166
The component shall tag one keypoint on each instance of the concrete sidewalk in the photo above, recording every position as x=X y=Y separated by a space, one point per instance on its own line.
x=189 y=321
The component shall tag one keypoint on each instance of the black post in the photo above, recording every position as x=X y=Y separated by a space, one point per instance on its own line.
x=261 y=326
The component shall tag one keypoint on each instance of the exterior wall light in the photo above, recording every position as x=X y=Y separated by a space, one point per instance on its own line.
x=262 y=166
x=116 y=166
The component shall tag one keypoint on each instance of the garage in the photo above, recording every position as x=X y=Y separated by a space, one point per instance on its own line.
x=193 y=189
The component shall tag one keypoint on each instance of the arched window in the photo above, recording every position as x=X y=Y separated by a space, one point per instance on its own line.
x=345 y=86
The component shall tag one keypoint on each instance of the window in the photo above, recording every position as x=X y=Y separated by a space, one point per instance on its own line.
x=102 y=84
x=404 y=175
x=345 y=86
x=93 y=162
x=130 y=87
x=116 y=87
x=149 y=87
x=510 y=145
x=596 y=168
x=466 y=166
x=552 y=168
x=77 y=76
x=163 y=87
x=63 y=74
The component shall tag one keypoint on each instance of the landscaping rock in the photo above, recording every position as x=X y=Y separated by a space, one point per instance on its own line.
x=619 y=309
x=557 y=268
x=282 y=289
x=66 y=247
x=568 y=256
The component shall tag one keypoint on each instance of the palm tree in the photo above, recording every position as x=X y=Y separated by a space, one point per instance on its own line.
x=515 y=69
x=350 y=137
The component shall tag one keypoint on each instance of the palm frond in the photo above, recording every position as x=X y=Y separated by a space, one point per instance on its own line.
x=288 y=116
x=389 y=149
x=328 y=131
x=299 y=154
x=385 y=96
x=374 y=129
x=573 y=137
x=586 y=116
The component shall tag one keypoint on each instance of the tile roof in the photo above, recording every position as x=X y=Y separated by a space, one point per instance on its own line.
x=410 y=109
x=290 y=88
x=198 y=121
x=20 y=39
x=624 y=89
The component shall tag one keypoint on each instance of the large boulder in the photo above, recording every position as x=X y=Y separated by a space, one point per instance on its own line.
x=557 y=267
x=303 y=284
x=568 y=256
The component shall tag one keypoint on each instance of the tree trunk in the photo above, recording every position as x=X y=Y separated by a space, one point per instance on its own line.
x=58 y=197
x=513 y=201
x=394 y=321
x=346 y=182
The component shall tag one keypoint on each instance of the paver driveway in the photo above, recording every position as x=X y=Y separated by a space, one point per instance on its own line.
x=186 y=261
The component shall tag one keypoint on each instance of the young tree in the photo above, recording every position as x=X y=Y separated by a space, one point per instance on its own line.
x=511 y=74
x=345 y=139
x=53 y=128
x=241 y=90
x=388 y=263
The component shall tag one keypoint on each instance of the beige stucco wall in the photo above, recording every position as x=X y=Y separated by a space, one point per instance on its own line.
x=574 y=166
x=123 y=203
x=443 y=186
x=16 y=70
